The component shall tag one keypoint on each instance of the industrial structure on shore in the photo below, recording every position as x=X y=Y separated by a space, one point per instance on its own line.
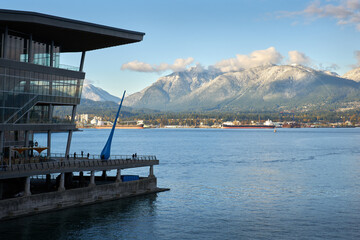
x=32 y=83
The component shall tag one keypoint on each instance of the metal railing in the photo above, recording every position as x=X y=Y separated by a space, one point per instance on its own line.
x=68 y=67
x=78 y=156
x=59 y=163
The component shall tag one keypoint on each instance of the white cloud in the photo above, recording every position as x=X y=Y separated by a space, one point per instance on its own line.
x=346 y=12
x=138 y=66
x=353 y=4
x=298 y=58
x=179 y=65
x=254 y=59
x=332 y=67
x=357 y=56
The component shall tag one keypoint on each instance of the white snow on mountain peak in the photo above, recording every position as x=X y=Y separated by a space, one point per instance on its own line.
x=353 y=75
x=91 y=92
x=199 y=88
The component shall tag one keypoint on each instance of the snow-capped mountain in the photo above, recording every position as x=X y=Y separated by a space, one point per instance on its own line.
x=91 y=92
x=170 y=88
x=353 y=75
x=268 y=87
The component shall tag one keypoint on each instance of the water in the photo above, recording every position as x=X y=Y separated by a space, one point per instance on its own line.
x=225 y=184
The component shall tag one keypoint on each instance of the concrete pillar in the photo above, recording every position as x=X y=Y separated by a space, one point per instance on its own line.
x=118 y=175
x=62 y=182
x=27 y=191
x=151 y=171
x=92 y=179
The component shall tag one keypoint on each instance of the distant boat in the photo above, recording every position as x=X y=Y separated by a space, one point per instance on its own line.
x=267 y=125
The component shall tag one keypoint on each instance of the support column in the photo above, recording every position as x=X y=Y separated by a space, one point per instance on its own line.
x=30 y=50
x=49 y=132
x=48 y=181
x=151 y=171
x=104 y=175
x=26 y=152
x=82 y=61
x=67 y=151
x=10 y=153
x=2 y=147
x=52 y=54
x=48 y=144
x=62 y=182
x=73 y=113
x=1 y=190
x=81 y=179
x=92 y=179
x=6 y=43
x=118 y=175
x=27 y=191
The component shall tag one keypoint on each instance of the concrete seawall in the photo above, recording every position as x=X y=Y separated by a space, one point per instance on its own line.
x=38 y=203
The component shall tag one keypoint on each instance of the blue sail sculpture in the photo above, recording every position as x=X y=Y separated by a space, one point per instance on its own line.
x=105 y=153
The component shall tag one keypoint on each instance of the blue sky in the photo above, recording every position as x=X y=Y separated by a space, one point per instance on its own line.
x=227 y=34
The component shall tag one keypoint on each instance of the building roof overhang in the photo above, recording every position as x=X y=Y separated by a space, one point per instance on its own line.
x=71 y=35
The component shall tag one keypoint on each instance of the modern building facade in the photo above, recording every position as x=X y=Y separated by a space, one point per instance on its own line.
x=33 y=81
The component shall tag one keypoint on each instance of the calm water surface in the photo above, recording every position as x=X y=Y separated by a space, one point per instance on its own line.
x=225 y=184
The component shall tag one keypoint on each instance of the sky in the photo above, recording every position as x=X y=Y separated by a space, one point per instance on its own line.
x=227 y=35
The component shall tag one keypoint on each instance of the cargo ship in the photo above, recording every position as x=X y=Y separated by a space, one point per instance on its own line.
x=267 y=125
x=138 y=125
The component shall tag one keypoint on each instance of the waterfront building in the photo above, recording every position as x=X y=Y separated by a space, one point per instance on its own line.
x=33 y=82
x=82 y=118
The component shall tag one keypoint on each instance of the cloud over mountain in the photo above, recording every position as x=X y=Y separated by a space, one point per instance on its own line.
x=298 y=58
x=346 y=12
x=254 y=59
x=179 y=65
x=263 y=57
x=357 y=56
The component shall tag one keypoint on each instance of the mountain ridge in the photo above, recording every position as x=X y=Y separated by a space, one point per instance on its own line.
x=269 y=87
x=93 y=93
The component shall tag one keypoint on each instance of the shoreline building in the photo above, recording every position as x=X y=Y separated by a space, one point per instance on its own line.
x=32 y=83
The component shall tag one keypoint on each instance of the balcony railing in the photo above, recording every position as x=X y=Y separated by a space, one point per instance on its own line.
x=78 y=156
x=68 y=67
x=59 y=164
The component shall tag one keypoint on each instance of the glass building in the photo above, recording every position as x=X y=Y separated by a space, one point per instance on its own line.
x=32 y=79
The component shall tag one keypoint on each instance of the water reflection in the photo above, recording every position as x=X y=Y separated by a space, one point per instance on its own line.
x=110 y=220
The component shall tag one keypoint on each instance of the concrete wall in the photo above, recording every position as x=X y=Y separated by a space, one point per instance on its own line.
x=37 y=203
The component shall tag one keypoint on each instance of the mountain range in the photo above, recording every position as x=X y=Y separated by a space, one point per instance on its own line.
x=264 y=88
x=97 y=94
